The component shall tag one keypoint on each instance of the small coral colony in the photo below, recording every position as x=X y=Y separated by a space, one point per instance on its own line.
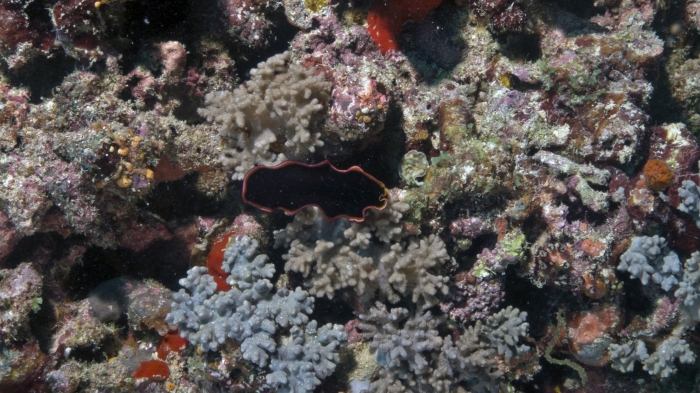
x=349 y=196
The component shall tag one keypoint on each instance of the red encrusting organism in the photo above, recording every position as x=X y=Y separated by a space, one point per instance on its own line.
x=385 y=18
x=215 y=260
x=171 y=342
x=155 y=370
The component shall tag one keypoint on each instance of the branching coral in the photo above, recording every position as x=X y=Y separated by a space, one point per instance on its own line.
x=689 y=287
x=271 y=117
x=660 y=363
x=649 y=257
x=340 y=255
x=253 y=316
x=690 y=200
x=625 y=355
x=417 y=359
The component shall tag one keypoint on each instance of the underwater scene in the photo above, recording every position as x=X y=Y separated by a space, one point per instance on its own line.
x=347 y=196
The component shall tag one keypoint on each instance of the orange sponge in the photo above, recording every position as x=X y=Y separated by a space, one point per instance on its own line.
x=658 y=175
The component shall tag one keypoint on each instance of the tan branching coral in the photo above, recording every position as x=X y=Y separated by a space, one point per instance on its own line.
x=271 y=117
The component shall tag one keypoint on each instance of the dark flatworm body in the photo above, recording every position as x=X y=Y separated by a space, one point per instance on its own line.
x=291 y=186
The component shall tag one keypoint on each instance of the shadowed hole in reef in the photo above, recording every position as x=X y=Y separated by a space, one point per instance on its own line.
x=96 y=267
x=382 y=157
x=467 y=258
x=147 y=22
x=332 y=311
x=41 y=75
x=180 y=200
x=520 y=47
x=663 y=107
x=42 y=322
x=533 y=226
x=539 y=303
x=283 y=34
x=582 y=9
x=634 y=299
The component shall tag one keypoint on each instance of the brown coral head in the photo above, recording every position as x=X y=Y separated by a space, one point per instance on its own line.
x=658 y=175
x=292 y=186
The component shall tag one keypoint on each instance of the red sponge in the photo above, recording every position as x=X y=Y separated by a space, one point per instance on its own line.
x=386 y=17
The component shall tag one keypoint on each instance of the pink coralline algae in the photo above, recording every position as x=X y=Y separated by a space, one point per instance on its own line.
x=249 y=22
x=473 y=298
x=505 y=16
x=471 y=227
x=359 y=101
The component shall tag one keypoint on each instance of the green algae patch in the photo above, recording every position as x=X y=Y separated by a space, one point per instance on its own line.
x=514 y=244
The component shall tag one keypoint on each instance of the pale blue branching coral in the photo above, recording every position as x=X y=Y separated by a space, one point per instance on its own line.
x=504 y=329
x=272 y=328
x=660 y=363
x=690 y=200
x=306 y=356
x=624 y=356
x=417 y=359
x=688 y=287
x=650 y=257
x=402 y=344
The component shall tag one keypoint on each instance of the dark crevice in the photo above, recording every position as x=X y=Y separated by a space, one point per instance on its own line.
x=159 y=20
x=663 y=108
x=466 y=258
x=520 y=47
x=582 y=9
x=97 y=267
x=180 y=200
x=42 y=74
x=382 y=156
x=541 y=304
x=533 y=226
x=332 y=311
x=248 y=58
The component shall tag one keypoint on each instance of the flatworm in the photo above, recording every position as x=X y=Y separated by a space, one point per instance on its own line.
x=292 y=186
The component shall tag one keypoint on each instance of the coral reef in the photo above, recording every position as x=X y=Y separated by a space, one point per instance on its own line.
x=536 y=161
x=414 y=165
x=661 y=362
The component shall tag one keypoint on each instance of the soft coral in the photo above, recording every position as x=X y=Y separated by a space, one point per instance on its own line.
x=386 y=17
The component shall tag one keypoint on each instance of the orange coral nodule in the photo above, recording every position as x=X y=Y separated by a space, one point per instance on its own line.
x=385 y=18
x=215 y=260
x=658 y=175
x=155 y=370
